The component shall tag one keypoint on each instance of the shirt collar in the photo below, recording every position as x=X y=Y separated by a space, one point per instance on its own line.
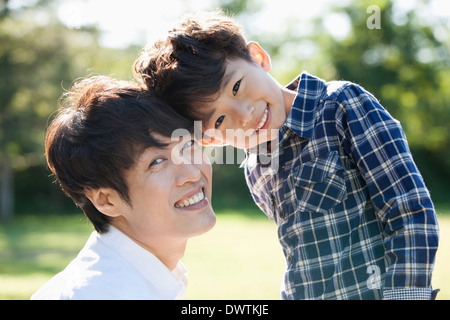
x=169 y=284
x=302 y=117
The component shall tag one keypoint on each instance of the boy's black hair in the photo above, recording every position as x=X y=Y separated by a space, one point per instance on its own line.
x=187 y=67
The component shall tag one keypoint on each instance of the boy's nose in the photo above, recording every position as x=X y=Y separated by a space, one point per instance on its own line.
x=245 y=114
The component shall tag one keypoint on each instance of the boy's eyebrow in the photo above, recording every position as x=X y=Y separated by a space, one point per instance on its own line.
x=206 y=118
x=226 y=79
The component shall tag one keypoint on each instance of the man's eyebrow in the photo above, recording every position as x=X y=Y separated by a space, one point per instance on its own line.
x=153 y=150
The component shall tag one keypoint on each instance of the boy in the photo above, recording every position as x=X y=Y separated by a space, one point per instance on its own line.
x=110 y=150
x=354 y=217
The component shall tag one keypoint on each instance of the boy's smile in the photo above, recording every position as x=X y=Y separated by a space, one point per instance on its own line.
x=251 y=103
x=264 y=122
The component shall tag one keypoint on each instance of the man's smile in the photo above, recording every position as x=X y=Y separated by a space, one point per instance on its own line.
x=194 y=200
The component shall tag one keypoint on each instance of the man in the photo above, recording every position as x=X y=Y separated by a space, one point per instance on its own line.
x=110 y=150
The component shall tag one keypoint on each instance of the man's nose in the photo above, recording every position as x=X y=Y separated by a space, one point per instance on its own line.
x=188 y=172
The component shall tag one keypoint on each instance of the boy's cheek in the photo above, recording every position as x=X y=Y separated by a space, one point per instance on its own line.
x=212 y=137
x=206 y=142
x=212 y=142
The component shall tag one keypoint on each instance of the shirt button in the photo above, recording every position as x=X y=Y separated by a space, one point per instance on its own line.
x=274 y=203
x=282 y=214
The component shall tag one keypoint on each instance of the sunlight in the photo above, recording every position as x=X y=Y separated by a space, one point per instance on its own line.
x=139 y=22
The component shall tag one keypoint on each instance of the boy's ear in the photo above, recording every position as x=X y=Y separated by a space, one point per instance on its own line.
x=106 y=200
x=259 y=55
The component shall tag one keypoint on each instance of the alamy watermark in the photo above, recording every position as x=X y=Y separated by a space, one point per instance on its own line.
x=258 y=144
x=374 y=20
x=374 y=280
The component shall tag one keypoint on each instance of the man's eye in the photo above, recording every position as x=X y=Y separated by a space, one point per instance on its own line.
x=219 y=121
x=236 y=87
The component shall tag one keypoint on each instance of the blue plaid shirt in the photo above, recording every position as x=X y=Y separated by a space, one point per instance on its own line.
x=355 y=219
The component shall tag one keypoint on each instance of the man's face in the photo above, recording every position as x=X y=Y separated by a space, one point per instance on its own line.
x=170 y=200
x=249 y=110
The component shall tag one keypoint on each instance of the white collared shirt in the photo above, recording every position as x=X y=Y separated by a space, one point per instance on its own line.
x=112 y=266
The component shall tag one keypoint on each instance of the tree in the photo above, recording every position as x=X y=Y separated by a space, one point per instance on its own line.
x=406 y=64
x=29 y=60
x=39 y=60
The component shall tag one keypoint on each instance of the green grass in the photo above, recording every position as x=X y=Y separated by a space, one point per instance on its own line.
x=34 y=248
x=240 y=258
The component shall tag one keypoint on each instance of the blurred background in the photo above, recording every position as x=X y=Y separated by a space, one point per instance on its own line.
x=396 y=49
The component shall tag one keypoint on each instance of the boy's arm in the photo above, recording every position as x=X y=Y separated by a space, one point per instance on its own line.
x=379 y=148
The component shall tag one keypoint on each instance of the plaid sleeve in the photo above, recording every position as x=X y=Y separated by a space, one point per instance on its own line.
x=258 y=184
x=377 y=144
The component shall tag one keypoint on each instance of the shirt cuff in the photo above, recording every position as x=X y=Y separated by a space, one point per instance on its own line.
x=408 y=294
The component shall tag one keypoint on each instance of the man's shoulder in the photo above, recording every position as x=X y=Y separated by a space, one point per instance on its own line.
x=96 y=273
x=89 y=281
x=66 y=285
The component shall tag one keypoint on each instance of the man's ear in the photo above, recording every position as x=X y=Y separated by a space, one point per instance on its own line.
x=106 y=200
x=259 y=55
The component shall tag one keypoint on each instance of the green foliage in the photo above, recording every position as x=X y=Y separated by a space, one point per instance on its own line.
x=39 y=60
x=37 y=64
x=406 y=65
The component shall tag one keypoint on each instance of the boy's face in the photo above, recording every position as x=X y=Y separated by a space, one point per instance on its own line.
x=170 y=200
x=251 y=107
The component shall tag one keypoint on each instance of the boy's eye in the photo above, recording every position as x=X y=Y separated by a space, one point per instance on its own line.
x=190 y=143
x=156 y=161
x=219 y=121
x=236 y=87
